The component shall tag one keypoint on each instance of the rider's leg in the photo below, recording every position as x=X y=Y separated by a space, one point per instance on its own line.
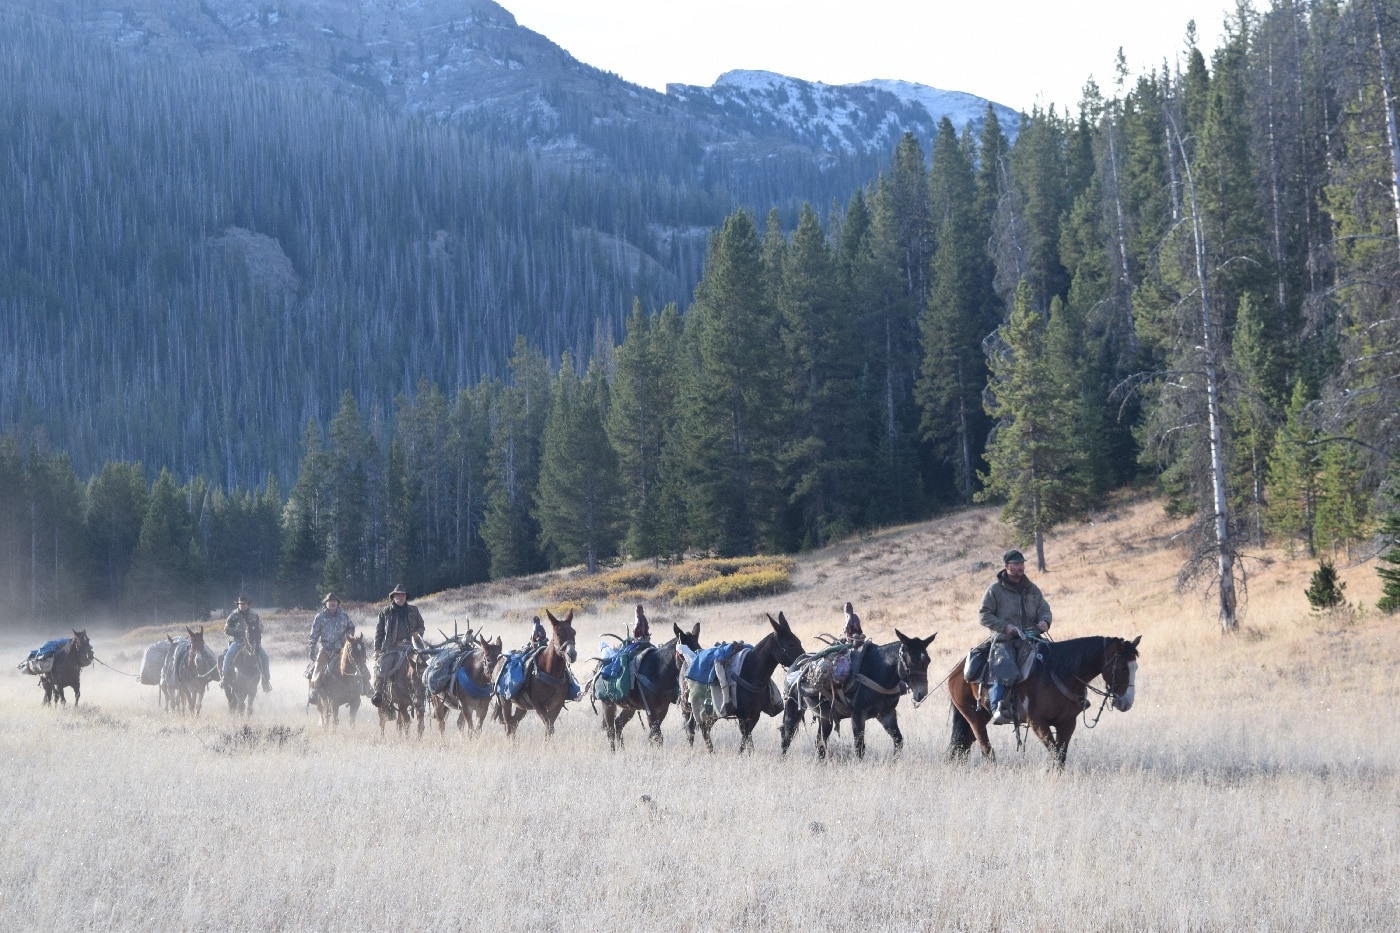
x=266 y=670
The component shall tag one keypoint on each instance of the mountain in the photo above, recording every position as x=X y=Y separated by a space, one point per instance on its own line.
x=867 y=117
x=220 y=215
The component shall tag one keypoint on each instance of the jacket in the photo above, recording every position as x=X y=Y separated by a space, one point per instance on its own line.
x=1007 y=604
x=397 y=624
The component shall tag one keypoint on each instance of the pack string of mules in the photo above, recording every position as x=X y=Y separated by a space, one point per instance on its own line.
x=848 y=678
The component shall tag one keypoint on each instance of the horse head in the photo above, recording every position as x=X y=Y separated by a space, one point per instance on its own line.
x=690 y=639
x=490 y=652
x=81 y=647
x=1120 y=671
x=788 y=647
x=196 y=639
x=352 y=656
x=913 y=662
x=563 y=639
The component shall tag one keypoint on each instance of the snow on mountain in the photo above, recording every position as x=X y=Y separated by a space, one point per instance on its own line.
x=869 y=116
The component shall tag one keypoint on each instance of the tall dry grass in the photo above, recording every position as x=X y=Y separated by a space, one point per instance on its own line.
x=1253 y=786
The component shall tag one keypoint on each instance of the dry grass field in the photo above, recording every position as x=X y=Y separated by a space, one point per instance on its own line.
x=1253 y=786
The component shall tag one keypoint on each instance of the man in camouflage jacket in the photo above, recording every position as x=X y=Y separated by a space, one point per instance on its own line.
x=244 y=628
x=398 y=622
x=1012 y=607
x=329 y=630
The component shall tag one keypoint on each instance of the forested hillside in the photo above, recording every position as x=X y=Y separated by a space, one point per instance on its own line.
x=1193 y=277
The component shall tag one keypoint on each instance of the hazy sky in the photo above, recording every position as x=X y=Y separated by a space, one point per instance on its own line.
x=1015 y=52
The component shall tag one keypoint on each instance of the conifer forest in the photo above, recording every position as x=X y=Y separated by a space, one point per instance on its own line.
x=251 y=341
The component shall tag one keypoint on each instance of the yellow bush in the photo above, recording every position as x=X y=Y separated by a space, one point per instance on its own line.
x=768 y=581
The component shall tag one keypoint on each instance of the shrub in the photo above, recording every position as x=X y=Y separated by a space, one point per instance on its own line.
x=766 y=581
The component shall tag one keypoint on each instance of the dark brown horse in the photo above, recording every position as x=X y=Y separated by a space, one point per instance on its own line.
x=753 y=694
x=68 y=662
x=547 y=679
x=655 y=687
x=880 y=675
x=241 y=685
x=189 y=668
x=472 y=700
x=344 y=682
x=403 y=689
x=1052 y=697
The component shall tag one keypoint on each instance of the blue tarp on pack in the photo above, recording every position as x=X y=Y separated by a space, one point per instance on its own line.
x=49 y=647
x=470 y=687
x=702 y=669
x=512 y=676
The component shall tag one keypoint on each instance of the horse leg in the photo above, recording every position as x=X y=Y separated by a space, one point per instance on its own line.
x=654 y=722
x=890 y=721
x=792 y=717
x=688 y=723
x=746 y=727
x=77 y=692
x=825 y=721
x=611 y=727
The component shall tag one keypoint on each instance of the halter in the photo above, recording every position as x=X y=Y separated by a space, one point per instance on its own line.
x=1107 y=695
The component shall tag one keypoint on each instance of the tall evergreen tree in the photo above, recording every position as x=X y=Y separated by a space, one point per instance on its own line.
x=578 y=502
x=509 y=527
x=168 y=571
x=1032 y=458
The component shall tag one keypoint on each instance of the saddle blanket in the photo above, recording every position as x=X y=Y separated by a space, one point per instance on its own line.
x=511 y=677
x=614 y=681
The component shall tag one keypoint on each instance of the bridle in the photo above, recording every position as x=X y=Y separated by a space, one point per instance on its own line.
x=1108 y=695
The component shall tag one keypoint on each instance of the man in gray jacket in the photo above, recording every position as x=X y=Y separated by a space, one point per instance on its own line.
x=1012 y=607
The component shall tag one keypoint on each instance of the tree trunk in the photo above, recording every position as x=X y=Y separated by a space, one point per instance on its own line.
x=1391 y=135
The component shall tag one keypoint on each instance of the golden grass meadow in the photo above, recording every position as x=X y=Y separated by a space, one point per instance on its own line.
x=1253 y=786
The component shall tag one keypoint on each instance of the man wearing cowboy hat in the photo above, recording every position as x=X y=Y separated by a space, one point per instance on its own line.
x=329 y=630
x=398 y=622
x=1012 y=608
x=244 y=628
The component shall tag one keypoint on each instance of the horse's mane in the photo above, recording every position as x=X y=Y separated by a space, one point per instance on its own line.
x=1066 y=658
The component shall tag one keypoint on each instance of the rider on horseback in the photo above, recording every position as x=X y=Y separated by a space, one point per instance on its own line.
x=853 y=632
x=244 y=628
x=642 y=630
x=538 y=636
x=398 y=623
x=1013 y=608
x=329 y=630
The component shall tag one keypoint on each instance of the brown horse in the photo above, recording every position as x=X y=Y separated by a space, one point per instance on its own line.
x=753 y=692
x=547 y=679
x=1052 y=697
x=68 y=662
x=880 y=675
x=241 y=684
x=403 y=689
x=472 y=700
x=344 y=682
x=655 y=687
x=189 y=668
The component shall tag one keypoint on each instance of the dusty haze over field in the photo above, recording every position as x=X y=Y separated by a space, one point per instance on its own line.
x=1253 y=785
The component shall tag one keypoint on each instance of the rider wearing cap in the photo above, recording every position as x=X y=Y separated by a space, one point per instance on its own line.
x=329 y=630
x=852 y=632
x=1012 y=607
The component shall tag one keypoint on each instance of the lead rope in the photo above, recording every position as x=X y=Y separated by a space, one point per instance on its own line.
x=111 y=668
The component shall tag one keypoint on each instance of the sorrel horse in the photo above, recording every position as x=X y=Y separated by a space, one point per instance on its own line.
x=753 y=693
x=242 y=683
x=655 y=687
x=188 y=670
x=472 y=698
x=344 y=682
x=880 y=675
x=1052 y=697
x=403 y=688
x=547 y=679
x=68 y=662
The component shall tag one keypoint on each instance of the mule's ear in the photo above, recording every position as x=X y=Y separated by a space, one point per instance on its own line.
x=1135 y=641
x=782 y=620
x=189 y=631
x=680 y=632
x=695 y=630
x=569 y=617
x=928 y=641
x=498 y=641
x=550 y=616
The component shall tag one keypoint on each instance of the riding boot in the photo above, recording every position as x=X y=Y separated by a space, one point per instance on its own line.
x=999 y=703
x=377 y=698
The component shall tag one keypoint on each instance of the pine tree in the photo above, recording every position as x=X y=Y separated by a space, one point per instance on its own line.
x=960 y=313
x=578 y=502
x=305 y=529
x=509 y=528
x=168 y=569
x=1291 y=485
x=1325 y=590
x=1032 y=460
x=116 y=507
x=1388 y=568
x=641 y=421
x=729 y=423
